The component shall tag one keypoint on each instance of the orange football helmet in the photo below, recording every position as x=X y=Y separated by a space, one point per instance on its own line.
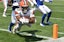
x=24 y=3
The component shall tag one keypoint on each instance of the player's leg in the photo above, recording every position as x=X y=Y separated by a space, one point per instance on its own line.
x=10 y=2
x=43 y=16
x=13 y=21
x=49 y=13
x=17 y=27
x=10 y=26
x=5 y=7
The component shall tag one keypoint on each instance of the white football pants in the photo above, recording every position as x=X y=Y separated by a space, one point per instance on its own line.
x=44 y=9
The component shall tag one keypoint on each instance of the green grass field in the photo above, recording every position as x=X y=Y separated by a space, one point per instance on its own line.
x=57 y=17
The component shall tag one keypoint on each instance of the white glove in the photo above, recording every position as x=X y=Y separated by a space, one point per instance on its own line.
x=24 y=20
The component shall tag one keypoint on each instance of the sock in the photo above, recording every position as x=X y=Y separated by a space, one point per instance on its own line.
x=43 y=18
x=48 y=17
x=10 y=26
x=4 y=13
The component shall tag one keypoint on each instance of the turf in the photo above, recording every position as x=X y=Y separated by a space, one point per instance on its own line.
x=57 y=17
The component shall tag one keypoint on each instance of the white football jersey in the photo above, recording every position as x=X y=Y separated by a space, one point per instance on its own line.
x=28 y=14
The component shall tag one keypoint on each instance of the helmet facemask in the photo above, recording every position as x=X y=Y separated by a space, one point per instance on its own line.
x=25 y=9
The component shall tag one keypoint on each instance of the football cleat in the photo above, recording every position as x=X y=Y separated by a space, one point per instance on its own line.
x=42 y=25
x=4 y=15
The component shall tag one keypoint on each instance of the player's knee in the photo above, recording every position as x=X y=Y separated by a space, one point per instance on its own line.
x=50 y=12
x=44 y=13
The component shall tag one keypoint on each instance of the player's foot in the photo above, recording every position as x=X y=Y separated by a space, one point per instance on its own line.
x=4 y=15
x=14 y=31
x=10 y=31
x=42 y=25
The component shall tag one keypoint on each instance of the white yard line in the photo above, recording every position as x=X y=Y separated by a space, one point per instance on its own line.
x=28 y=34
x=57 y=18
x=52 y=18
x=60 y=32
x=57 y=11
x=4 y=30
x=58 y=0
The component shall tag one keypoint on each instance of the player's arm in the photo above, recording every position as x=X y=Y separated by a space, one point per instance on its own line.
x=17 y=15
x=32 y=18
x=19 y=18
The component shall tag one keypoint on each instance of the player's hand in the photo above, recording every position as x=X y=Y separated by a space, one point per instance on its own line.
x=24 y=20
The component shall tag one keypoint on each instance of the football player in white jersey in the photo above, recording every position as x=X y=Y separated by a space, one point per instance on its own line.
x=13 y=18
x=24 y=15
x=5 y=2
x=44 y=9
x=13 y=14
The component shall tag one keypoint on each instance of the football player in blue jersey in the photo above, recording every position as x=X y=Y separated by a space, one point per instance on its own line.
x=44 y=9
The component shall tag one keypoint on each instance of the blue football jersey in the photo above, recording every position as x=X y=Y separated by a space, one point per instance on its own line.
x=39 y=2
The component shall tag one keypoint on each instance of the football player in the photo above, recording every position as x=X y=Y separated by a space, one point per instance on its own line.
x=44 y=9
x=13 y=16
x=23 y=15
x=5 y=2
